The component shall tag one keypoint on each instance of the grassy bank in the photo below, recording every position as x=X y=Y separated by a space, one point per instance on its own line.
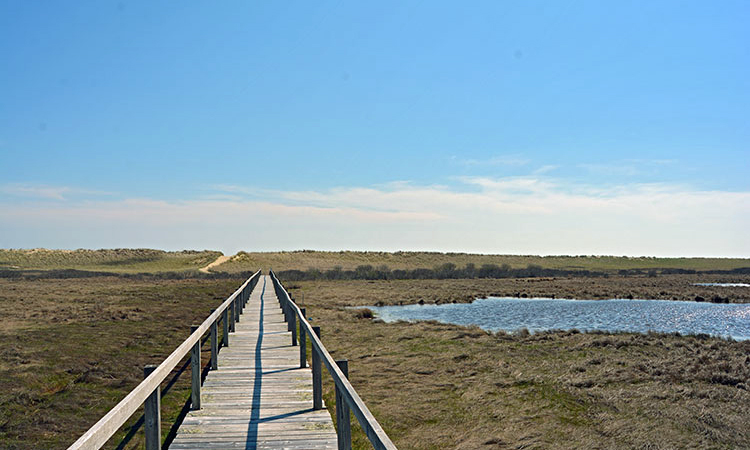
x=74 y=348
x=106 y=260
x=435 y=386
x=662 y=287
x=350 y=260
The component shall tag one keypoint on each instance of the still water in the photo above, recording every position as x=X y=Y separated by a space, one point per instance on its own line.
x=509 y=314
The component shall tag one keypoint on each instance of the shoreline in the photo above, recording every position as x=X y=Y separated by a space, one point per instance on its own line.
x=439 y=385
x=663 y=287
x=521 y=331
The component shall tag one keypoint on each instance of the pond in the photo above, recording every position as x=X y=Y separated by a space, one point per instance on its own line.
x=539 y=314
x=723 y=284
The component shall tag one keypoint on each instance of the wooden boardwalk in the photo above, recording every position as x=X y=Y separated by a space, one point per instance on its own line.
x=258 y=398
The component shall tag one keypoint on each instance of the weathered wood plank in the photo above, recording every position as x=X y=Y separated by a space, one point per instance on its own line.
x=259 y=397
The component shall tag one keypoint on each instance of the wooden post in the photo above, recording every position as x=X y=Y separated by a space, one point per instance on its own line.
x=302 y=343
x=289 y=316
x=284 y=311
x=195 y=369
x=225 y=318
x=232 y=315
x=317 y=376
x=237 y=308
x=152 y=414
x=293 y=325
x=214 y=344
x=343 y=418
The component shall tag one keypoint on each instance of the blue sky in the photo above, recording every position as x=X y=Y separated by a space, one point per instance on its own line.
x=502 y=127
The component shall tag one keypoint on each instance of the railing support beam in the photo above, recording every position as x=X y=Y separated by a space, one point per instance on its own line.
x=343 y=418
x=232 y=315
x=214 y=345
x=225 y=320
x=195 y=369
x=293 y=326
x=316 y=375
x=152 y=414
x=302 y=343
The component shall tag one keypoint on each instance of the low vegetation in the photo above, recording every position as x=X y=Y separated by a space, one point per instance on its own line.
x=662 y=287
x=349 y=260
x=73 y=348
x=110 y=261
x=435 y=386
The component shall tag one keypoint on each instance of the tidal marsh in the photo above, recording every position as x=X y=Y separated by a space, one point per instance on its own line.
x=436 y=385
x=74 y=347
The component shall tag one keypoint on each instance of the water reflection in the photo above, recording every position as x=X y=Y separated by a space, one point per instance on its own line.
x=727 y=320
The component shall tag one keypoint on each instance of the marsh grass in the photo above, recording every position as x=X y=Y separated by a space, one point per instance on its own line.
x=403 y=292
x=72 y=349
x=350 y=260
x=435 y=385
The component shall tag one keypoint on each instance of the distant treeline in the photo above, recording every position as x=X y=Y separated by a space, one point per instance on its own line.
x=368 y=272
x=450 y=270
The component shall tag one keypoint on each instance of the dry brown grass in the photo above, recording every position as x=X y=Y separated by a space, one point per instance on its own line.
x=436 y=386
x=73 y=348
x=662 y=287
x=348 y=260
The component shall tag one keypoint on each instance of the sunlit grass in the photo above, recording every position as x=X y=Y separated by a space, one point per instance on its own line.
x=106 y=260
x=349 y=260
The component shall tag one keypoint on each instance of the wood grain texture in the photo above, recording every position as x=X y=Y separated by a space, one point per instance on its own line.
x=259 y=398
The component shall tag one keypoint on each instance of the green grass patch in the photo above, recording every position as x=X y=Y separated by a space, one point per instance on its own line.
x=106 y=260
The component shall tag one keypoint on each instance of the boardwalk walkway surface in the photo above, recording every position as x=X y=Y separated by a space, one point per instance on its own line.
x=258 y=398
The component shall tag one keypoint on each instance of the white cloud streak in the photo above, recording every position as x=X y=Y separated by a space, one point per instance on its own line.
x=510 y=215
x=46 y=191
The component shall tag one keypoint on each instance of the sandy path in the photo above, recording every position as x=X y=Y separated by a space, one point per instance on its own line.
x=220 y=260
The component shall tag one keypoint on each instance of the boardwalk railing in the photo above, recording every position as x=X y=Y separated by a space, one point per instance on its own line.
x=148 y=391
x=347 y=398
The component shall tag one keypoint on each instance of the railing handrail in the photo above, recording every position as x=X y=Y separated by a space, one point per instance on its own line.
x=107 y=426
x=370 y=425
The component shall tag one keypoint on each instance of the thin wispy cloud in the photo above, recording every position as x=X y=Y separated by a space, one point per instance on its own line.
x=48 y=192
x=545 y=169
x=497 y=215
x=238 y=189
